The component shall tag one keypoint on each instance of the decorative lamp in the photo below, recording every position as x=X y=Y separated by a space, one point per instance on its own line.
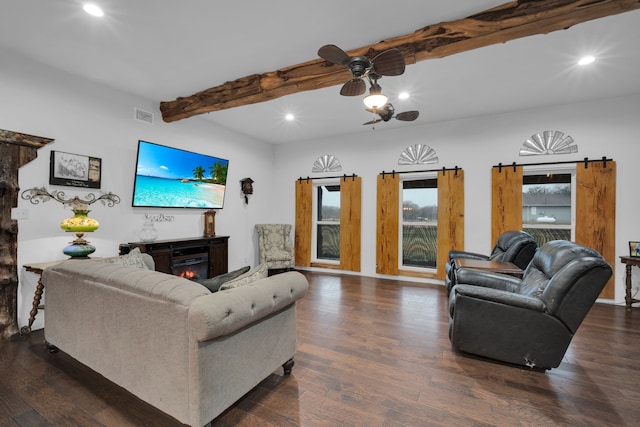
x=375 y=100
x=80 y=222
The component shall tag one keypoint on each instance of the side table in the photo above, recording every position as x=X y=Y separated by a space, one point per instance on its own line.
x=494 y=266
x=629 y=262
x=37 y=268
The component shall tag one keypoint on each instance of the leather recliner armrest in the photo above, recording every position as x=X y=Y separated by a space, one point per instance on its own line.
x=496 y=296
x=487 y=279
x=464 y=254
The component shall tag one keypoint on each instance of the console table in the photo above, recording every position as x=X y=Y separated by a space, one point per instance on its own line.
x=493 y=266
x=165 y=253
x=629 y=262
x=37 y=268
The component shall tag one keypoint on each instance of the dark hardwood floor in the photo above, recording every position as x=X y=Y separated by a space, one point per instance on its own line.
x=371 y=352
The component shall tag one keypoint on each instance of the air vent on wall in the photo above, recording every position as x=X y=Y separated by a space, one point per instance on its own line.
x=143 y=116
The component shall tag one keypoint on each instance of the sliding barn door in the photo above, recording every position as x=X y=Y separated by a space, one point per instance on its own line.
x=304 y=222
x=596 y=212
x=450 y=216
x=387 y=218
x=350 y=213
x=506 y=200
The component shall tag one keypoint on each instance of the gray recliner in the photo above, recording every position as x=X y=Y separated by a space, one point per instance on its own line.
x=528 y=321
x=514 y=246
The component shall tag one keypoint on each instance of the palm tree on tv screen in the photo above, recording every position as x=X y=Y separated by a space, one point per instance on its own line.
x=198 y=173
x=218 y=173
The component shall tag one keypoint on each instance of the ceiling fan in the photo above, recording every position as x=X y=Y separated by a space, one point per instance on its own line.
x=387 y=63
x=388 y=112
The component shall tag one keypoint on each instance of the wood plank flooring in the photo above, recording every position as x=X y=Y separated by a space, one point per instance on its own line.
x=371 y=352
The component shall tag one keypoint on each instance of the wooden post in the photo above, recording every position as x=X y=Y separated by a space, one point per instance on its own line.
x=16 y=150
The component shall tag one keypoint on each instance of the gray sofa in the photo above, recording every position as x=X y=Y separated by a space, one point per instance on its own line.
x=170 y=341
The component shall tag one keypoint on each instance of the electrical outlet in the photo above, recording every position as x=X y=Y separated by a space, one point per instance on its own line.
x=19 y=213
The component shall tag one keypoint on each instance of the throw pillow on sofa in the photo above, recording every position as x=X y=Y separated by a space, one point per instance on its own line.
x=214 y=283
x=132 y=259
x=256 y=273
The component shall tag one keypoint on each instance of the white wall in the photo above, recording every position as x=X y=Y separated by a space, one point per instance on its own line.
x=608 y=127
x=90 y=119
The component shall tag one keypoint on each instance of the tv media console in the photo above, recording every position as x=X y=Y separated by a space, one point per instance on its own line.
x=193 y=258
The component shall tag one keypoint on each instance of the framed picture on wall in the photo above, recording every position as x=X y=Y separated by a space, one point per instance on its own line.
x=634 y=249
x=75 y=170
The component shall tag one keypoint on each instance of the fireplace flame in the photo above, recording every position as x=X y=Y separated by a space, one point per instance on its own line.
x=188 y=274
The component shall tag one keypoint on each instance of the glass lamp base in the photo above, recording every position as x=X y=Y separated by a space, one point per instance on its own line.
x=79 y=248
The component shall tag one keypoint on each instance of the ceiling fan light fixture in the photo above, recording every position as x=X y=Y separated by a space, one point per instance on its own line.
x=375 y=99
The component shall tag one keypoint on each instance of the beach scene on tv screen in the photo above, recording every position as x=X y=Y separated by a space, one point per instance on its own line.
x=169 y=177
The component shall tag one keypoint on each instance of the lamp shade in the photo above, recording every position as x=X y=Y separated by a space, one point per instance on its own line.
x=375 y=99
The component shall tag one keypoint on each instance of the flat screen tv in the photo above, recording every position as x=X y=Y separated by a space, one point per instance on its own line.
x=168 y=177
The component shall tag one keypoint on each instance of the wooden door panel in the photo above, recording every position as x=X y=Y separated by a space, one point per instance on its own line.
x=388 y=198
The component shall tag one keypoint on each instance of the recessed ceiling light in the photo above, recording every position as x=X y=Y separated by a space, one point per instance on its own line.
x=92 y=9
x=403 y=95
x=289 y=117
x=586 y=60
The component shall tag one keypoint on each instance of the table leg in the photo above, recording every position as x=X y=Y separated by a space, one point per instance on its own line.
x=627 y=296
x=34 y=308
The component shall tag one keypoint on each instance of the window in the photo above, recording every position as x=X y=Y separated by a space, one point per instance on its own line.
x=327 y=222
x=547 y=206
x=419 y=223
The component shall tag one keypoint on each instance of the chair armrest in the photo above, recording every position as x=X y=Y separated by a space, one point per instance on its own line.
x=497 y=296
x=487 y=279
x=464 y=254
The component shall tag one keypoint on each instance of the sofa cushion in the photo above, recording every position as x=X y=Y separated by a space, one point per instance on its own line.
x=132 y=259
x=256 y=273
x=214 y=283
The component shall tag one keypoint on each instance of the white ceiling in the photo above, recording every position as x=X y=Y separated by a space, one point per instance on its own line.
x=164 y=49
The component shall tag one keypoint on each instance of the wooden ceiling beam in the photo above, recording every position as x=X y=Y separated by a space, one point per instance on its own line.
x=506 y=22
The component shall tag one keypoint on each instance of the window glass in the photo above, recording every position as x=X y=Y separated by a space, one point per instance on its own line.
x=419 y=222
x=328 y=222
x=547 y=206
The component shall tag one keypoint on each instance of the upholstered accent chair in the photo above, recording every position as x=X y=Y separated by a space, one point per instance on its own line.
x=274 y=246
x=514 y=246
x=529 y=321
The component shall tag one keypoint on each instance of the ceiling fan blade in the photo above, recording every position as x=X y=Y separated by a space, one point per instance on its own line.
x=353 y=87
x=408 y=116
x=333 y=54
x=373 y=122
x=389 y=63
